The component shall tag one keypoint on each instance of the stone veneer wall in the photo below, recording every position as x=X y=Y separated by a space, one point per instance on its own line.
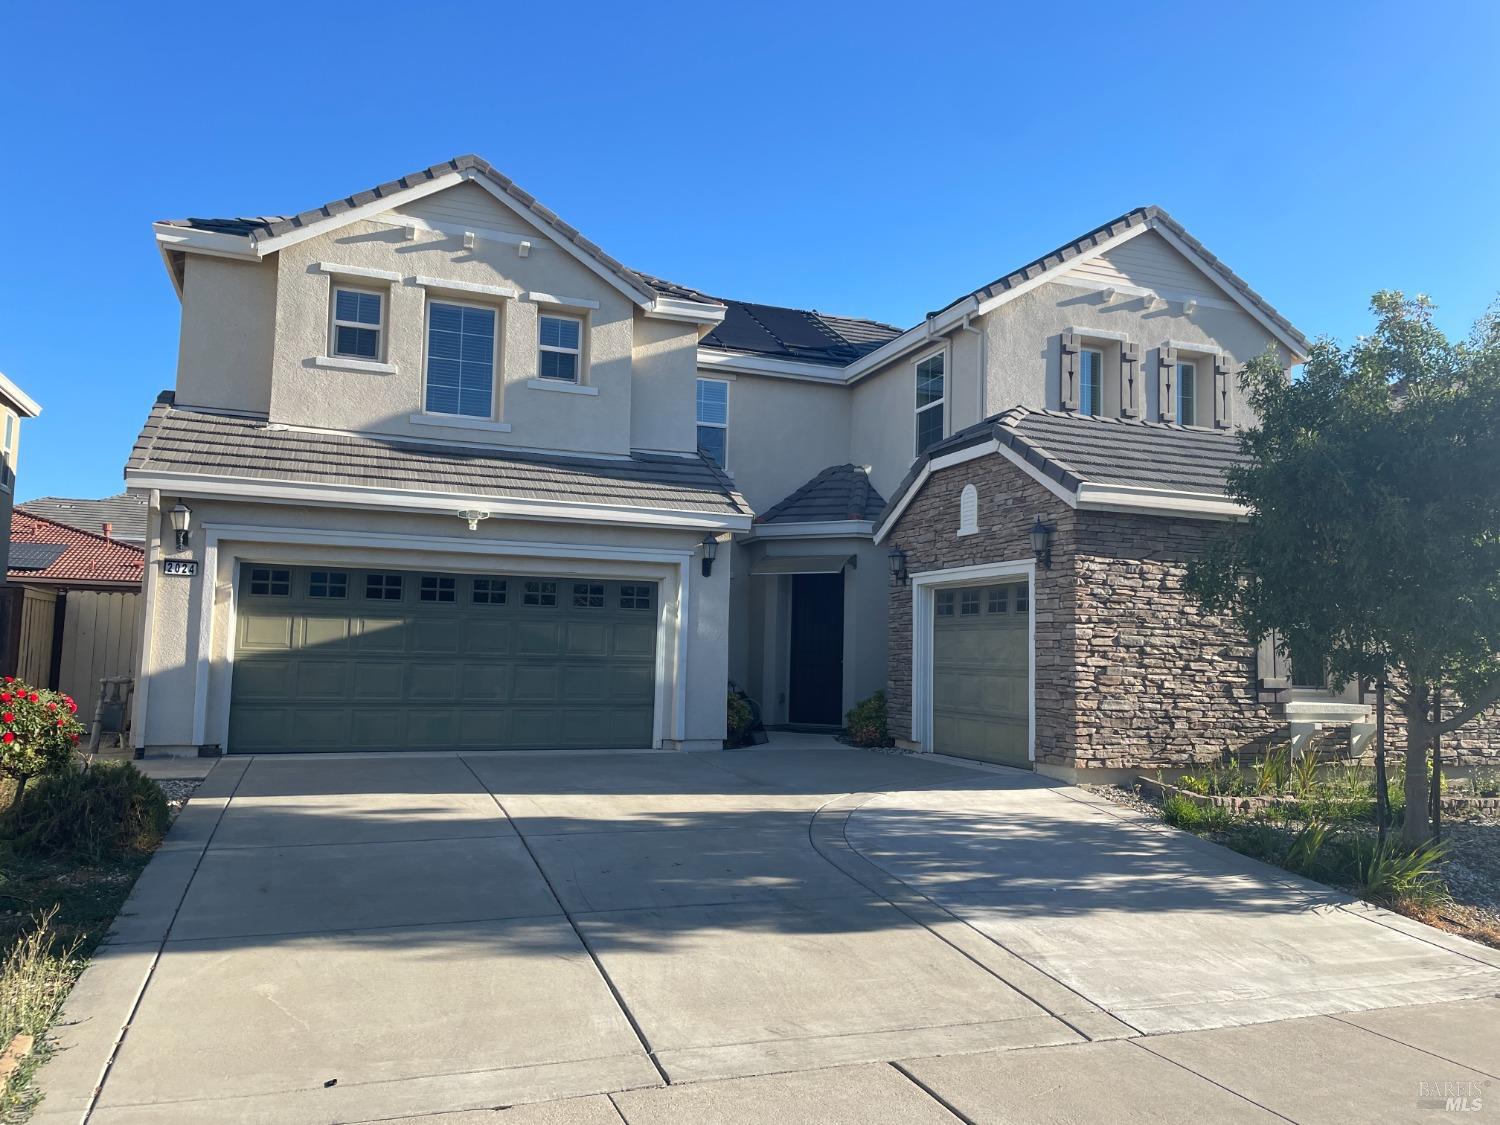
x=1130 y=672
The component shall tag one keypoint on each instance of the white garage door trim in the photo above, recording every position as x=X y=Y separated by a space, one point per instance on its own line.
x=226 y=545
x=923 y=588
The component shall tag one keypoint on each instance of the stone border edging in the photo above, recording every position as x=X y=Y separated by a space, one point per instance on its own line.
x=1249 y=803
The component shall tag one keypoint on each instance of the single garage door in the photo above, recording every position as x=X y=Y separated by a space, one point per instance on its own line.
x=345 y=659
x=980 y=673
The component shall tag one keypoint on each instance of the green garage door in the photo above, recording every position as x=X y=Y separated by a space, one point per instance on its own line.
x=345 y=659
x=980 y=670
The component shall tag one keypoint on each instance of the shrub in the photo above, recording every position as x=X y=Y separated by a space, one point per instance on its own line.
x=38 y=730
x=867 y=722
x=739 y=719
x=1271 y=772
x=1180 y=812
x=1485 y=781
x=1386 y=872
x=105 y=811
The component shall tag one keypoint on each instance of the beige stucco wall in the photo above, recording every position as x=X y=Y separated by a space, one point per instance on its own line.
x=662 y=404
x=179 y=667
x=782 y=433
x=225 y=346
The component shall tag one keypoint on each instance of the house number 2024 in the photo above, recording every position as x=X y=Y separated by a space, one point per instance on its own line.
x=183 y=568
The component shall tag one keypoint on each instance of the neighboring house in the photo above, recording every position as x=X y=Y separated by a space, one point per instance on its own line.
x=121 y=517
x=78 y=616
x=15 y=404
x=448 y=475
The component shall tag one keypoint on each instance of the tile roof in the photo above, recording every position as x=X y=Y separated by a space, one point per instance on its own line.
x=85 y=557
x=840 y=492
x=125 y=512
x=270 y=226
x=1136 y=217
x=1075 y=449
x=804 y=335
x=217 y=446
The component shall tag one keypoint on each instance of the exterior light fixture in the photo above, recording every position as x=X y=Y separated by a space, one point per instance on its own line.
x=710 y=552
x=472 y=516
x=182 y=519
x=896 y=557
x=1188 y=306
x=1041 y=542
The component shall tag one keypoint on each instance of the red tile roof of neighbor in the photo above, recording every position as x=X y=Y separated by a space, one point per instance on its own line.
x=86 y=558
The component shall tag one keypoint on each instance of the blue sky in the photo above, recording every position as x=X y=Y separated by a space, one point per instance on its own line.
x=867 y=159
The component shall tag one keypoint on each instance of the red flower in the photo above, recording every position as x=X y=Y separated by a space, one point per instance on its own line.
x=72 y=707
x=5 y=697
x=75 y=738
x=62 y=722
x=10 y=679
x=52 y=706
x=34 y=697
x=8 y=717
x=7 y=737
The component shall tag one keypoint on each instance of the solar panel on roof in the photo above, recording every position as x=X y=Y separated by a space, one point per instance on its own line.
x=35 y=556
x=794 y=328
x=739 y=332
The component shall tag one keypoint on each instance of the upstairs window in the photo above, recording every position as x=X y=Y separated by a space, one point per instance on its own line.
x=930 y=399
x=357 y=323
x=460 y=360
x=1187 y=394
x=1091 y=381
x=560 y=340
x=713 y=419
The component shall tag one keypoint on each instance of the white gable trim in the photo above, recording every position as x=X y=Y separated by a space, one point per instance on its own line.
x=825 y=529
x=740 y=363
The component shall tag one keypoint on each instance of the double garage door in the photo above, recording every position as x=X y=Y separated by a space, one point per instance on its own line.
x=350 y=659
x=981 y=664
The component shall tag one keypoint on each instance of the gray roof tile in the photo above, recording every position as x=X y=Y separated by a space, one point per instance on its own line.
x=125 y=512
x=1075 y=449
x=216 y=445
x=840 y=492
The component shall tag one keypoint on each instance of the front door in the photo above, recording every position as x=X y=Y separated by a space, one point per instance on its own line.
x=817 y=664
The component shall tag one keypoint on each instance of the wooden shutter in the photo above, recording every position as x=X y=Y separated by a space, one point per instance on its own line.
x=1130 y=378
x=1223 y=380
x=1166 y=384
x=1273 y=671
x=1068 y=368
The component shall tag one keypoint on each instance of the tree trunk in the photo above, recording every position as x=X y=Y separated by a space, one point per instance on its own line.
x=15 y=801
x=1382 y=793
x=1416 y=829
x=1435 y=796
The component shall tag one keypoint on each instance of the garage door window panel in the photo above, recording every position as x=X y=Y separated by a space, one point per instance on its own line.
x=269 y=582
x=489 y=591
x=327 y=584
x=438 y=588
x=540 y=594
x=383 y=587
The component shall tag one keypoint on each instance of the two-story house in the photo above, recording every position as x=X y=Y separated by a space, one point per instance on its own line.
x=439 y=472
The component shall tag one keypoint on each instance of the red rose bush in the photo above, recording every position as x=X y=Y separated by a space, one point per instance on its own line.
x=39 y=730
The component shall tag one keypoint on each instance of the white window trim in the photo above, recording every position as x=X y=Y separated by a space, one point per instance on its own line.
x=349 y=363
x=459 y=422
x=334 y=322
x=940 y=403
x=924 y=587
x=562 y=386
x=489 y=420
x=562 y=302
x=423 y=282
x=583 y=335
x=358 y=271
x=724 y=425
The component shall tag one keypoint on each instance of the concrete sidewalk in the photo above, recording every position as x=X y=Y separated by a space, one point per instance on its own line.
x=794 y=932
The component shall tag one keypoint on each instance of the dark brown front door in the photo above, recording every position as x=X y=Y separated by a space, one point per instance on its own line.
x=817 y=664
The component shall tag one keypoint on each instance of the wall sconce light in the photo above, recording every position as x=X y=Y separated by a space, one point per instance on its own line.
x=896 y=557
x=710 y=552
x=472 y=516
x=1041 y=542
x=182 y=519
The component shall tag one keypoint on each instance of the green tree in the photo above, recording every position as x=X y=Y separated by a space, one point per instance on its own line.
x=1373 y=487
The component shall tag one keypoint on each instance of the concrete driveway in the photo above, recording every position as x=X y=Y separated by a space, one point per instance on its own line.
x=340 y=939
